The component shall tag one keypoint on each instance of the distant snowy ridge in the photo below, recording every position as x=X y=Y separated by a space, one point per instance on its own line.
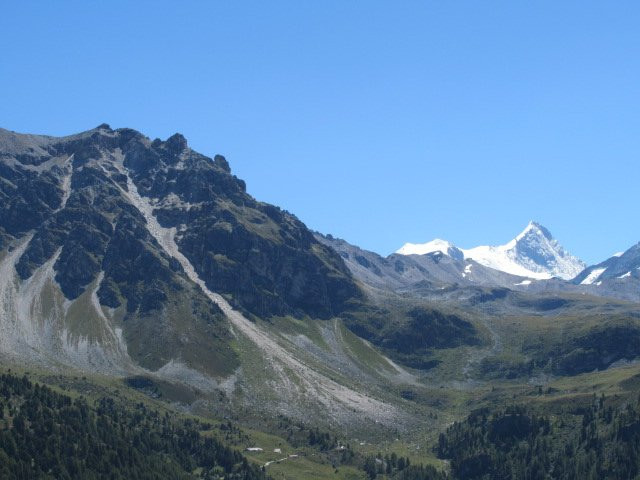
x=436 y=245
x=534 y=253
x=621 y=266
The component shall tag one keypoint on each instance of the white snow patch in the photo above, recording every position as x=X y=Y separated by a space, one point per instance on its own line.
x=593 y=276
x=628 y=274
x=523 y=282
x=436 y=245
x=467 y=270
x=500 y=258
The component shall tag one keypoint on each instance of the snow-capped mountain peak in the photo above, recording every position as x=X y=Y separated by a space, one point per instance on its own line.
x=534 y=253
x=533 y=229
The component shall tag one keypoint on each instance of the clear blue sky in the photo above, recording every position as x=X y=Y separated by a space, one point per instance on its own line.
x=379 y=122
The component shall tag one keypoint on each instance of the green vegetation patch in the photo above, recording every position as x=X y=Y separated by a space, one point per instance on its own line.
x=412 y=336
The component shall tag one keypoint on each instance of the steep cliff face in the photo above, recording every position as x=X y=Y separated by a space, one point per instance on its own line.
x=264 y=258
x=70 y=220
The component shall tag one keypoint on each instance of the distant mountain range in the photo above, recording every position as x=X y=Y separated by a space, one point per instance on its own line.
x=533 y=261
x=534 y=253
x=435 y=269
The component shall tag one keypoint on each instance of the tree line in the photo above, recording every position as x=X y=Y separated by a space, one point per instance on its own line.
x=47 y=435
x=600 y=440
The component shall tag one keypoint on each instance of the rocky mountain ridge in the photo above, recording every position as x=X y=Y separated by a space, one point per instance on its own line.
x=123 y=255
